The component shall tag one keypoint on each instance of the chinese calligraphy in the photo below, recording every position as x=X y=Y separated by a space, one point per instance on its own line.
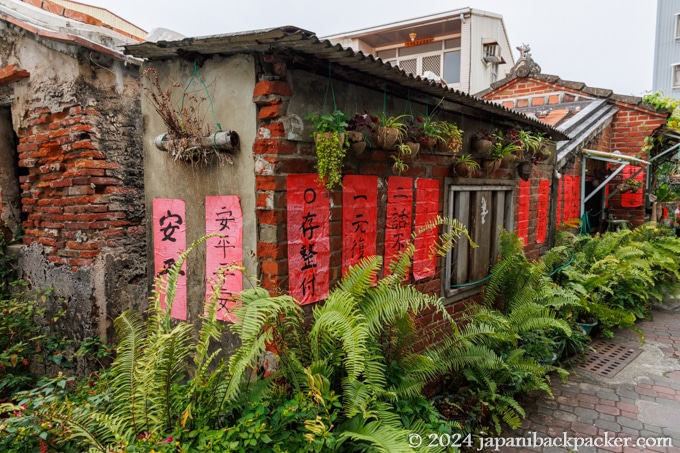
x=308 y=238
x=224 y=252
x=360 y=220
x=169 y=239
x=399 y=211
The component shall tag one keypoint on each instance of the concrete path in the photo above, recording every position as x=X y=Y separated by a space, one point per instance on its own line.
x=638 y=406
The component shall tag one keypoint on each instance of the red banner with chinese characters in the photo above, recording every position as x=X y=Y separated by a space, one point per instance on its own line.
x=543 y=205
x=576 y=198
x=560 y=201
x=568 y=198
x=633 y=199
x=308 y=238
x=523 y=210
x=427 y=208
x=359 y=219
x=398 y=220
x=223 y=216
x=169 y=241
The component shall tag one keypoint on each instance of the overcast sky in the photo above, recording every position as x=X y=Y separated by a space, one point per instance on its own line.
x=603 y=43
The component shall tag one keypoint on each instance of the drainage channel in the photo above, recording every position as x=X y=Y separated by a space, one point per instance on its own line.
x=607 y=358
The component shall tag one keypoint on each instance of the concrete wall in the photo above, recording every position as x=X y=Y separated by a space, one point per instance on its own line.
x=230 y=82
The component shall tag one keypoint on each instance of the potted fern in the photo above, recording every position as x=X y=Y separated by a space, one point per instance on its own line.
x=329 y=140
x=465 y=166
x=390 y=130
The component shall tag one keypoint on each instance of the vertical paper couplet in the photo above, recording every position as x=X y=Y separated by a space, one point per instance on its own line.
x=427 y=208
x=308 y=238
x=399 y=213
x=359 y=219
x=223 y=216
x=543 y=205
x=169 y=241
x=523 y=210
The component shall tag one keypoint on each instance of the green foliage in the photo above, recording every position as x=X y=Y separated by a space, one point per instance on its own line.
x=336 y=121
x=25 y=336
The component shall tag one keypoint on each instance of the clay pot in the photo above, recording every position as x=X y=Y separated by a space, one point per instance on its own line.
x=428 y=143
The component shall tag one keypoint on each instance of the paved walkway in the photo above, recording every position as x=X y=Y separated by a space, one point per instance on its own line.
x=641 y=401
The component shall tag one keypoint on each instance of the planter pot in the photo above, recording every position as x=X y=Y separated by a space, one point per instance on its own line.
x=341 y=136
x=357 y=142
x=542 y=155
x=463 y=170
x=387 y=137
x=586 y=327
x=428 y=143
x=415 y=149
x=492 y=165
x=524 y=170
x=481 y=146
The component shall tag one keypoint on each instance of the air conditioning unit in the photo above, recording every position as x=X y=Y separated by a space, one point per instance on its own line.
x=492 y=52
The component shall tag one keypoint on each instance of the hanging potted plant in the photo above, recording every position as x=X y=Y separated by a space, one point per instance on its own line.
x=451 y=139
x=465 y=166
x=329 y=140
x=630 y=185
x=359 y=130
x=481 y=141
x=503 y=149
x=534 y=146
x=390 y=130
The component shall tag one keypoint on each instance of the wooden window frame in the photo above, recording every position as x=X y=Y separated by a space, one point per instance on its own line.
x=485 y=236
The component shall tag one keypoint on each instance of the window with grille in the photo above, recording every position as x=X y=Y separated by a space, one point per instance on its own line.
x=482 y=209
x=676 y=75
x=441 y=58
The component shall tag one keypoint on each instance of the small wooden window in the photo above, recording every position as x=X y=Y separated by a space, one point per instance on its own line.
x=482 y=209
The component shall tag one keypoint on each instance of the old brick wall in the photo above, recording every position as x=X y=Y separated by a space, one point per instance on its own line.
x=283 y=148
x=631 y=124
x=78 y=124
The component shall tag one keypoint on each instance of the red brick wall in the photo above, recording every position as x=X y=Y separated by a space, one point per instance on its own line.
x=70 y=183
x=276 y=157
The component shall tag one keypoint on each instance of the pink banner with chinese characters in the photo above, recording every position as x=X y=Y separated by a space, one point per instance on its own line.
x=308 y=238
x=427 y=208
x=169 y=241
x=359 y=219
x=398 y=220
x=223 y=216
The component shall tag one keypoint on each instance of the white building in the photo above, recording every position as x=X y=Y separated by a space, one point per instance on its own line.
x=467 y=48
x=667 y=48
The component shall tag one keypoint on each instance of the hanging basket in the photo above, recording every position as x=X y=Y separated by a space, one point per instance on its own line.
x=481 y=146
x=463 y=170
x=386 y=137
x=357 y=142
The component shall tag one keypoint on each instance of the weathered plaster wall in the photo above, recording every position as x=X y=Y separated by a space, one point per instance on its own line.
x=10 y=197
x=230 y=82
x=77 y=118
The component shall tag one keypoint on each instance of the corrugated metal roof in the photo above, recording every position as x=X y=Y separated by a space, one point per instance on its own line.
x=306 y=42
